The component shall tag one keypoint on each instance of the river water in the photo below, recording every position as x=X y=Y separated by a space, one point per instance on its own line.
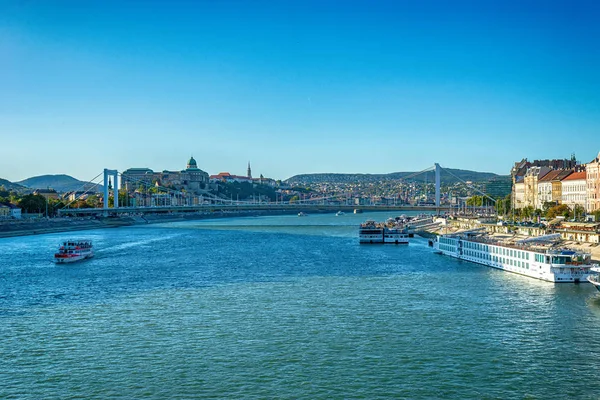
x=284 y=307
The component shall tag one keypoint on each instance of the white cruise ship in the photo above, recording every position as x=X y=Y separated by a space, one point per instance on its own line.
x=539 y=258
x=372 y=232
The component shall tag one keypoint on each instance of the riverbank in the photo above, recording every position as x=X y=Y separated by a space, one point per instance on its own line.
x=42 y=226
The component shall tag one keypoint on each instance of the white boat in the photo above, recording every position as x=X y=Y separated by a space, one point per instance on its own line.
x=357 y=211
x=594 y=279
x=73 y=250
x=301 y=214
x=540 y=257
x=372 y=232
x=337 y=214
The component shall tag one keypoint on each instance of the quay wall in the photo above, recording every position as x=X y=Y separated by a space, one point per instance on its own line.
x=40 y=226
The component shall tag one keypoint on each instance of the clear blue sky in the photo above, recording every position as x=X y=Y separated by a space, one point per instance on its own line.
x=295 y=86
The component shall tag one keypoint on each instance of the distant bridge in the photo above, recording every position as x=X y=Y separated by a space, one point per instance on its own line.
x=185 y=202
x=269 y=207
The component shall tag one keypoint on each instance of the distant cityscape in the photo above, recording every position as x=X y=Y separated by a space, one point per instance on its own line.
x=529 y=190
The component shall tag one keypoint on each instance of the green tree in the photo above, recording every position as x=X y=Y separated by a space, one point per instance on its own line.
x=32 y=203
x=560 y=210
x=93 y=201
x=476 y=201
x=528 y=212
x=578 y=211
x=546 y=206
x=503 y=205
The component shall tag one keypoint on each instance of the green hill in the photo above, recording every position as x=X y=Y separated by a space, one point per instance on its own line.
x=10 y=186
x=447 y=176
x=61 y=183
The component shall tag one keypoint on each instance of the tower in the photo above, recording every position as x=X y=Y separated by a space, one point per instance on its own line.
x=249 y=171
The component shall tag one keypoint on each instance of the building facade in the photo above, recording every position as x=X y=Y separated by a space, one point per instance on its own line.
x=557 y=186
x=192 y=179
x=545 y=189
x=593 y=184
x=532 y=176
x=574 y=190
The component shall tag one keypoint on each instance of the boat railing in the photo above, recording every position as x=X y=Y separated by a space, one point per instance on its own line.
x=537 y=247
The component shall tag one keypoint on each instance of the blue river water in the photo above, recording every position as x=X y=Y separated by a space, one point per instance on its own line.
x=284 y=307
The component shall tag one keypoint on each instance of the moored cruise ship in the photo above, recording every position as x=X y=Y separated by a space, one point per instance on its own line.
x=373 y=232
x=539 y=258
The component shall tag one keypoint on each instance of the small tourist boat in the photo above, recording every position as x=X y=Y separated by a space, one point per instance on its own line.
x=301 y=214
x=594 y=279
x=337 y=214
x=73 y=250
x=357 y=211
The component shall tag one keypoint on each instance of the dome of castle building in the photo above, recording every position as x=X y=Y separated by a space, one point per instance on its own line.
x=192 y=163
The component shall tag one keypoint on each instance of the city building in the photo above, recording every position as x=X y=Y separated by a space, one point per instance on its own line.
x=574 y=190
x=557 y=186
x=532 y=176
x=545 y=189
x=9 y=210
x=519 y=170
x=518 y=195
x=498 y=187
x=192 y=179
x=46 y=193
x=227 y=177
x=593 y=184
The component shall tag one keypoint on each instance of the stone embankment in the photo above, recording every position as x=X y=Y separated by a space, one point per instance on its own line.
x=53 y=225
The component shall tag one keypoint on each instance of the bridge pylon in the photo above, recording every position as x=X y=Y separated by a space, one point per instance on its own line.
x=115 y=175
x=437 y=185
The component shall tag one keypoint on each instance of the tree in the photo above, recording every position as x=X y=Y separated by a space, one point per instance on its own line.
x=596 y=215
x=32 y=203
x=528 y=212
x=578 y=211
x=547 y=205
x=503 y=205
x=476 y=201
x=561 y=210
x=93 y=201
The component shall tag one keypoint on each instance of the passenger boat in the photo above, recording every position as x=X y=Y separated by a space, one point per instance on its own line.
x=539 y=257
x=357 y=211
x=73 y=250
x=594 y=279
x=337 y=214
x=373 y=232
x=301 y=214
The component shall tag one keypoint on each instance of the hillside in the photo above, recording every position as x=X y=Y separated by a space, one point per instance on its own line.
x=8 y=185
x=60 y=183
x=446 y=177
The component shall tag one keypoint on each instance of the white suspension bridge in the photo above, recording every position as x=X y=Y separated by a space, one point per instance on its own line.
x=169 y=200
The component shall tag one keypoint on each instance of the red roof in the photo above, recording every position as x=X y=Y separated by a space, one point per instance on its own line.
x=575 y=176
x=550 y=176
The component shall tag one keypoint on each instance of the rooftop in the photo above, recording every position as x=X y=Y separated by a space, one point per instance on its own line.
x=575 y=176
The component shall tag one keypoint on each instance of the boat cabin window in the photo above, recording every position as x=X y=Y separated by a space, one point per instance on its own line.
x=560 y=259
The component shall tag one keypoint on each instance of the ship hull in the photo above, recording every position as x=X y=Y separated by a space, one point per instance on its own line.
x=519 y=262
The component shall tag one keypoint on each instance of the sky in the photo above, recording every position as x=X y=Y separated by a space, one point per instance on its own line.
x=295 y=87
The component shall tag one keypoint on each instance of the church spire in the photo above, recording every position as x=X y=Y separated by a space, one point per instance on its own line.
x=249 y=171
